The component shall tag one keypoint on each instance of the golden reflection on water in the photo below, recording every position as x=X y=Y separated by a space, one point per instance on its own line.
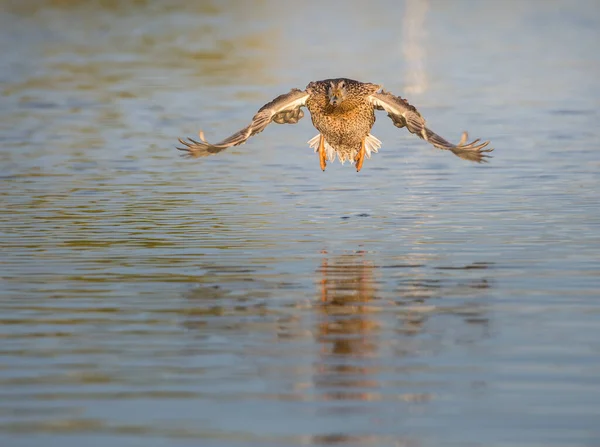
x=350 y=313
x=348 y=334
x=353 y=334
x=348 y=329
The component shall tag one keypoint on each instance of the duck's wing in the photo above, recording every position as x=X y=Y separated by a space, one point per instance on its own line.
x=285 y=109
x=404 y=114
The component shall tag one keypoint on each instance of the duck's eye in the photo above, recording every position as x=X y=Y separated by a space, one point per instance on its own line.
x=342 y=84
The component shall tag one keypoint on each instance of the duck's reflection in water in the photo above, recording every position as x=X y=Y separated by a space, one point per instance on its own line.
x=347 y=331
x=376 y=339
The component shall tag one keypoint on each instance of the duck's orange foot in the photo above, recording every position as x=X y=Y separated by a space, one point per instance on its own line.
x=360 y=157
x=322 y=154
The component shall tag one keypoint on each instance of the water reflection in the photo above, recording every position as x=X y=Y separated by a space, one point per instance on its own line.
x=426 y=295
x=413 y=45
x=360 y=361
x=347 y=329
x=352 y=312
x=95 y=95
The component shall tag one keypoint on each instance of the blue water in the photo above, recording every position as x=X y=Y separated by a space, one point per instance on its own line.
x=249 y=299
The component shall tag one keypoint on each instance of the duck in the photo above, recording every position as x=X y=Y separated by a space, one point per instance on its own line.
x=343 y=112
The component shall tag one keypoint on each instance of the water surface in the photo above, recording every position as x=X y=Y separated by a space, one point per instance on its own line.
x=249 y=299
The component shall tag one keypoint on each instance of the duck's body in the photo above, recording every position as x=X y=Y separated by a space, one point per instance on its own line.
x=343 y=111
x=345 y=126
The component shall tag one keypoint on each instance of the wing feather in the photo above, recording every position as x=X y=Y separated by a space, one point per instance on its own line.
x=285 y=109
x=406 y=115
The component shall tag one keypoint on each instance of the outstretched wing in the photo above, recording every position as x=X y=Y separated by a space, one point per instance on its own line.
x=285 y=109
x=403 y=114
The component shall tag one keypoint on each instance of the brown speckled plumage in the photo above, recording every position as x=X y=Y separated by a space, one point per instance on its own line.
x=343 y=111
x=345 y=126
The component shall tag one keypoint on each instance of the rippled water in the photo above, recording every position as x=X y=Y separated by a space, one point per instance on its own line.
x=249 y=299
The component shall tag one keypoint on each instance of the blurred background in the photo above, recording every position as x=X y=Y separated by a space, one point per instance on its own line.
x=249 y=299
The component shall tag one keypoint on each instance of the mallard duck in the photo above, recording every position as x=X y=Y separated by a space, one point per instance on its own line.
x=343 y=111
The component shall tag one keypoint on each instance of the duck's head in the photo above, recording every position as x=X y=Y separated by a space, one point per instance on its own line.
x=336 y=92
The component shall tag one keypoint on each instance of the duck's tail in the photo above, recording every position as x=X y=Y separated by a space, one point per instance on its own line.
x=372 y=145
